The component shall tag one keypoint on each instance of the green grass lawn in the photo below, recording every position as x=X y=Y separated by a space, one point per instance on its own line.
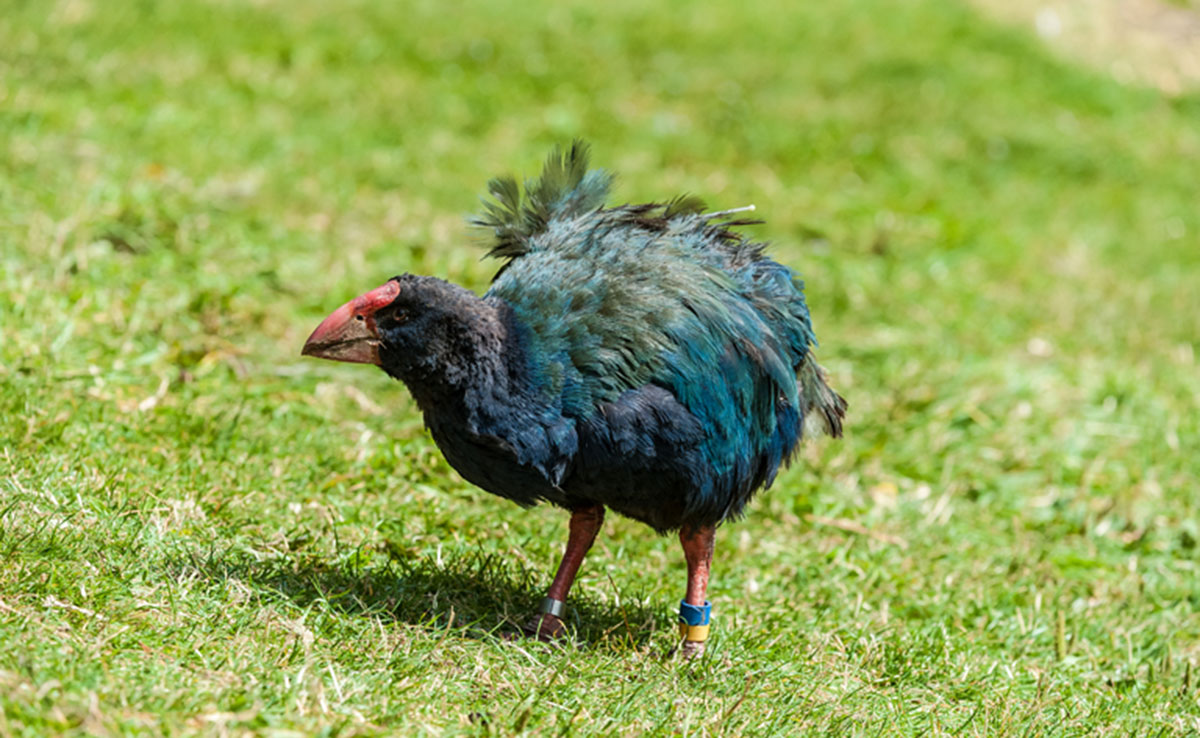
x=201 y=533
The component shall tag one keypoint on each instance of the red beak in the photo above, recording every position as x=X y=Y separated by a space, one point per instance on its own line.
x=349 y=333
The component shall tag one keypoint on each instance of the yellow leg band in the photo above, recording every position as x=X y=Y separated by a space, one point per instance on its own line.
x=697 y=633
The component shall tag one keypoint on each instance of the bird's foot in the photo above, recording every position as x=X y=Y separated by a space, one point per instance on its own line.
x=546 y=627
x=691 y=649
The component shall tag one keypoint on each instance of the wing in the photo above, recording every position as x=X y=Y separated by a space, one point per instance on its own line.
x=613 y=307
x=656 y=296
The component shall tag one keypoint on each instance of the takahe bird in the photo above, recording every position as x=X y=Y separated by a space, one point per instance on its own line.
x=643 y=358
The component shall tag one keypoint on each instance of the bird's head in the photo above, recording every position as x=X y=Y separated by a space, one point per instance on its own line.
x=414 y=327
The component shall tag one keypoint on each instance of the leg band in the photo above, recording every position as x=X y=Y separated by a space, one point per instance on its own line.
x=693 y=621
x=551 y=606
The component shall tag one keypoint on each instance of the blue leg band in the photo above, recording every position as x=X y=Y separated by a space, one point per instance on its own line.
x=694 y=614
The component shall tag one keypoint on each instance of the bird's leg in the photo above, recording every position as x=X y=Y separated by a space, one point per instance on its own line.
x=585 y=524
x=694 y=611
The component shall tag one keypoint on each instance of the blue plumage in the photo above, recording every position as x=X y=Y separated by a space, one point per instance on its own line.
x=641 y=357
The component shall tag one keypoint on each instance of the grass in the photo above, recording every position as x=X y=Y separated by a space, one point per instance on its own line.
x=202 y=534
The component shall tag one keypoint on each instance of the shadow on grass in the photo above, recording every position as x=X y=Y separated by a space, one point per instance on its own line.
x=478 y=595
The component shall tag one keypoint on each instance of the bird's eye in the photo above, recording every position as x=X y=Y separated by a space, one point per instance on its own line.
x=399 y=318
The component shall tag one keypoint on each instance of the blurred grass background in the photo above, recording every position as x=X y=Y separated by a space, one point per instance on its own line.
x=203 y=534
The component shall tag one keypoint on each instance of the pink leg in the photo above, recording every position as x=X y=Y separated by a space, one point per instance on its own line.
x=698 y=545
x=585 y=524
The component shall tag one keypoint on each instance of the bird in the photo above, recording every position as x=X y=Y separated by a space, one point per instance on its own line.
x=647 y=359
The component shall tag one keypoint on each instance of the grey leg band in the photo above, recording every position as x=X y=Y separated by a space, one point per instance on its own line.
x=551 y=606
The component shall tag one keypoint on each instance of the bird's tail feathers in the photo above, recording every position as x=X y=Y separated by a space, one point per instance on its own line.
x=823 y=408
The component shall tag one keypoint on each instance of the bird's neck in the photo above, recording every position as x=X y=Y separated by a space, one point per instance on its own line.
x=490 y=412
x=477 y=373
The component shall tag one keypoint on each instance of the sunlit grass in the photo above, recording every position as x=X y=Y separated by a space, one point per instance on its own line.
x=200 y=533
